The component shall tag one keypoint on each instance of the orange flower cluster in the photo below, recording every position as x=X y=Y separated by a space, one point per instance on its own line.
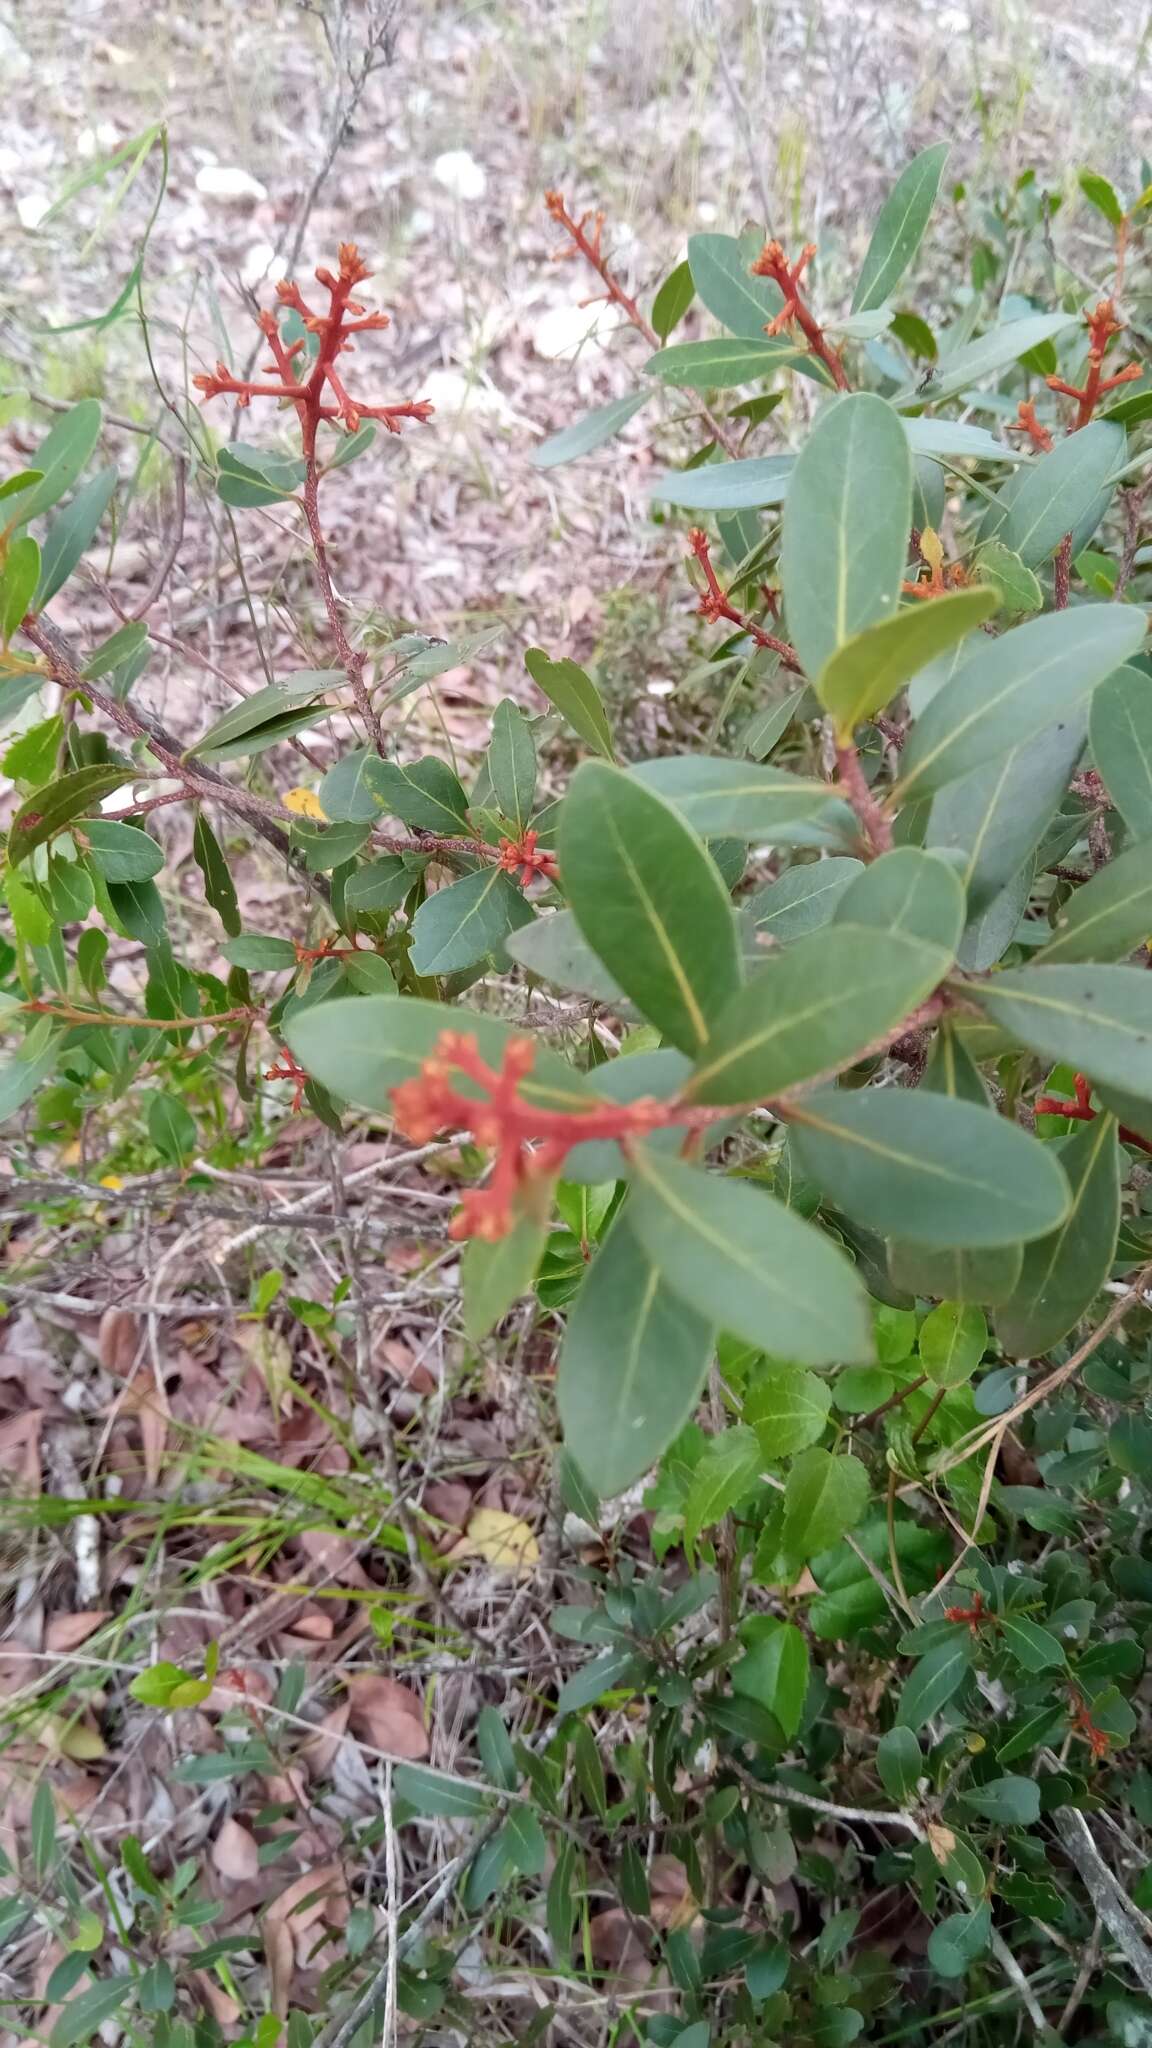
x=316 y=388
x=531 y=860
x=1103 y=326
x=773 y=263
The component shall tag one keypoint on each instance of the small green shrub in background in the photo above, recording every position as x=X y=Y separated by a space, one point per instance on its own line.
x=869 y=1163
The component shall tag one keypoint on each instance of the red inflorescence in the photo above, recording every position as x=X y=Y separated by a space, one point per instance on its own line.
x=315 y=387
x=524 y=856
x=286 y=1068
x=773 y=263
x=975 y=1615
x=1103 y=326
x=1026 y=422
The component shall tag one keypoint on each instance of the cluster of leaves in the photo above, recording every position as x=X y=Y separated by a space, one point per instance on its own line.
x=873 y=1144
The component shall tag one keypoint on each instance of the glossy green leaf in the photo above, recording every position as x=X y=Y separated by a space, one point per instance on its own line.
x=632 y=1365
x=361 y=1047
x=1109 y=916
x=986 y=357
x=774 y=1671
x=260 y=954
x=219 y=888
x=1067 y=491
x=575 y=696
x=1063 y=1273
x=788 y=1408
x=493 y=1276
x=246 y=483
x=379 y=885
x=954 y=1945
x=1019 y=589
x=907 y=891
x=846 y=524
x=1120 y=729
x=718 y=364
x=438 y=1794
x=1013 y=688
x=424 y=793
x=725 y=1473
x=748 y=1264
x=60 y=458
x=51 y=809
x=345 y=794
x=1013 y=1801
x=553 y=948
x=1097 y=1020
x=1033 y=1647
x=900 y=1763
x=866 y=672
x=824 y=1496
x=266 y=707
x=935 y=1171
x=722 y=275
x=739 y=799
x=588 y=433
x=512 y=764
x=802 y=899
x=607 y=1673
x=997 y=815
x=121 y=853
x=649 y=901
x=813 y=1010
x=900 y=229
x=953 y=1338
x=466 y=922
x=937 y=1676
x=673 y=299
x=740 y=486
x=1100 y=194
x=84 y=2015
x=18 y=580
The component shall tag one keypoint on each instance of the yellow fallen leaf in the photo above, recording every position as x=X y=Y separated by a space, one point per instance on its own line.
x=72 y=1154
x=941 y=1840
x=304 y=803
x=502 y=1540
x=111 y=1180
x=931 y=549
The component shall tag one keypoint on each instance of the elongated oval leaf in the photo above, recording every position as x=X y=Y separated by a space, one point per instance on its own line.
x=85 y=2014
x=826 y=1494
x=774 y=1671
x=1063 y=1273
x=718 y=364
x=1096 y=1019
x=673 y=299
x=121 y=853
x=802 y=900
x=740 y=799
x=512 y=763
x=265 y=707
x=953 y=440
x=361 y=1047
x=49 y=810
x=814 y=1010
x=907 y=891
x=938 y=1674
x=727 y=486
x=1120 y=729
x=649 y=901
x=18 y=580
x=493 y=1276
x=424 y=793
x=723 y=278
x=588 y=433
x=725 y=1473
x=846 y=524
x=575 y=696
x=60 y=458
x=464 y=923
x=632 y=1365
x=1010 y=689
x=900 y=229
x=1109 y=916
x=1067 y=491
x=71 y=532
x=983 y=358
x=998 y=815
x=923 y=1167
x=747 y=1264
x=865 y=674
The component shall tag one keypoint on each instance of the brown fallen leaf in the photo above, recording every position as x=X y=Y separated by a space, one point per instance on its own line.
x=319 y=1752
x=234 y=1853
x=319 y=1894
x=406 y=1367
x=67 y=1631
x=449 y=1500
x=224 y=2010
x=386 y=1714
x=119 y=1341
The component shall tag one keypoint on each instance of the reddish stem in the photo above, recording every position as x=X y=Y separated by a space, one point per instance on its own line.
x=877 y=826
x=773 y=263
x=715 y=604
x=1103 y=326
x=1081 y=1112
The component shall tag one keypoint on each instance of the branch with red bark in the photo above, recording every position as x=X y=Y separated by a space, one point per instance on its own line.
x=1081 y=1111
x=715 y=604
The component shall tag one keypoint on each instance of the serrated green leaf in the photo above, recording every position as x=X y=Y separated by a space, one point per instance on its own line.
x=788 y=1408
x=725 y=1473
x=791 y=1022
x=929 y=1169
x=747 y=1264
x=900 y=229
x=632 y=1364
x=774 y=1671
x=1063 y=1273
x=824 y=1496
x=649 y=901
x=865 y=673
x=953 y=1338
x=846 y=521
x=1012 y=688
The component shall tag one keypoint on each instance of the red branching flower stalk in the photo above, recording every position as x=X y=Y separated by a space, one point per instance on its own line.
x=523 y=855
x=1026 y=422
x=1103 y=326
x=1082 y=1112
x=286 y=1068
x=586 y=242
x=773 y=263
x=715 y=604
x=975 y=1616
x=320 y=393
x=530 y=1143
x=1085 y=1727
